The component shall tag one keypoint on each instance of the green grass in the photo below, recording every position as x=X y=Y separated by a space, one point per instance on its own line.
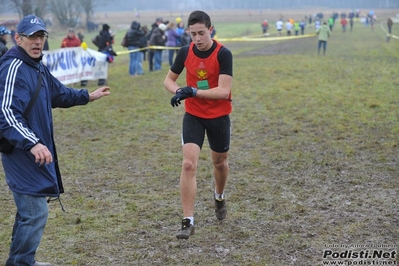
x=313 y=161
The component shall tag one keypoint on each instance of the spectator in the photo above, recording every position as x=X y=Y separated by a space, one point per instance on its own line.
x=70 y=40
x=373 y=19
x=324 y=33
x=3 y=40
x=302 y=25
x=12 y=34
x=133 y=36
x=344 y=22
x=180 y=30
x=213 y=33
x=265 y=26
x=91 y=26
x=81 y=35
x=106 y=41
x=171 y=41
x=143 y=46
x=152 y=52
x=279 y=27
x=288 y=27
x=297 y=27
x=331 y=22
x=158 y=38
x=351 y=23
x=185 y=37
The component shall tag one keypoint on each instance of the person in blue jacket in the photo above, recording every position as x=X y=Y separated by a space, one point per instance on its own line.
x=31 y=169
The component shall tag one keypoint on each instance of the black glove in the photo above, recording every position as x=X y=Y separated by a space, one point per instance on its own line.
x=181 y=94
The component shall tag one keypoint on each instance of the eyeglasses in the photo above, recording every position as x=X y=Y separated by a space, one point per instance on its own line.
x=35 y=36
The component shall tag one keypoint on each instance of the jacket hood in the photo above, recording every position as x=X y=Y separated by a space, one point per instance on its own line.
x=135 y=25
x=106 y=27
x=18 y=52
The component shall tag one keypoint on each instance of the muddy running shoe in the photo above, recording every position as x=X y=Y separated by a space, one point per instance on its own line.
x=220 y=208
x=186 y=230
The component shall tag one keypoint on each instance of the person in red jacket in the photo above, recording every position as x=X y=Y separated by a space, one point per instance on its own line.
x=344 y=22
x=207 y=95
x=71 y=40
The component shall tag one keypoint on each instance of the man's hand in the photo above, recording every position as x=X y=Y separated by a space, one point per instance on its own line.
x=181 y=94
x=42 y=154
x=100 y=92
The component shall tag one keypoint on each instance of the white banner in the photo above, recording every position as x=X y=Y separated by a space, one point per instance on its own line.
x=70 y=65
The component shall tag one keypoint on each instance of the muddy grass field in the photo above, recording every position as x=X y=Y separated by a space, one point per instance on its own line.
x=313 y=163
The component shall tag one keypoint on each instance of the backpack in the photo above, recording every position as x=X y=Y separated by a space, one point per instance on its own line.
x=96 y=40
x=124 y=41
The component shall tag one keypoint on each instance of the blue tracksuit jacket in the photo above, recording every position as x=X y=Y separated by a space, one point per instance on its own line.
x=18 y=80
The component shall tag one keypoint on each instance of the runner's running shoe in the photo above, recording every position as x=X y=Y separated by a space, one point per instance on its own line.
x=220 y=208
x=186 y=230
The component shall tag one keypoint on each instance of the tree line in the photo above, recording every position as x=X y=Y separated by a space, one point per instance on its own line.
x=67 y=13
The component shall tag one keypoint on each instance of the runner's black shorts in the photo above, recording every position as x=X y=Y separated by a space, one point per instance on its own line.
x=218 y=131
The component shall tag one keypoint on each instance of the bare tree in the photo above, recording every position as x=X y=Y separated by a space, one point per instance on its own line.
x=26 y=7
x=40 y=9
x=88 y=8
x=66 y=12
x=23 y=7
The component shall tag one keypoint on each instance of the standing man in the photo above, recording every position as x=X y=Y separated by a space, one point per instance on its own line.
x=389 y=24
x=31 y=169
x=323 y=34
x=279 y=27
x=351 y=23
x=151 y=54
x=158 y=38
x=133 y=36
x=288 y=27
x=207 y=95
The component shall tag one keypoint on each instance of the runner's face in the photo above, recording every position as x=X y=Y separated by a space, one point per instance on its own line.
x=201 y=36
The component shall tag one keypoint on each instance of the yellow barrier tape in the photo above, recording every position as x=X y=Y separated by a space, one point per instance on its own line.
x=146 y=48
x=259 y=39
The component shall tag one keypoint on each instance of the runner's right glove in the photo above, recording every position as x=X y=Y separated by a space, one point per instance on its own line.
x=181 y=94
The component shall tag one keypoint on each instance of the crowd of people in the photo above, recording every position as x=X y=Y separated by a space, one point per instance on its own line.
x=163 y=36
x=323 y=27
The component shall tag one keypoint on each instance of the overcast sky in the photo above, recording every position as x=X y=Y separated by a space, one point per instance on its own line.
x=176 y=5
